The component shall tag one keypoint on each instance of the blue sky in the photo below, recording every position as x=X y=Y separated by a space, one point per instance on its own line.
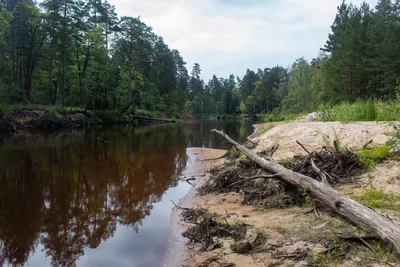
x=229 y=36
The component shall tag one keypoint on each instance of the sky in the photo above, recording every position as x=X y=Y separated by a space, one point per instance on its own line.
x=229 y=36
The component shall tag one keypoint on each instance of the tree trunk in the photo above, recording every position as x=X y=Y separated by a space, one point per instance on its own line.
x=341 y=204
x=63 y=59
x=50 y=88
x=107 y=36
x=62 y=85
x=79 y=78
x=130 y=77
x=14 y=69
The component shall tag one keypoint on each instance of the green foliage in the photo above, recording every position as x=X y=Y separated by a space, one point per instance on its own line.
x=394 y=144
x=148 y=113
x=11 y=94
x=375 y=197
x=51 y=117
x=369 y=156
x=309 y=201
x=300 y=97
x=347 y=112
x=5 y=20
x=5 y=107
x=392 y=112
x=277 y=116
x=381 y=251
x=370 y=110
x=60 y=53
x=333 y=257
x=110 y=115
x=242 y=157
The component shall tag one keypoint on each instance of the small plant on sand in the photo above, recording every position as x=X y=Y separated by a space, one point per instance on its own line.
x=394 y=144
x=336 y=139
x=334 y=256
x=381 y=252
x=309 y=202
x=242 y=157
x=369 y=156
x=376 y=197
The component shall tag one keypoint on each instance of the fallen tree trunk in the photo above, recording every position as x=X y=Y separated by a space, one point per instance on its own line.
x=351 y=210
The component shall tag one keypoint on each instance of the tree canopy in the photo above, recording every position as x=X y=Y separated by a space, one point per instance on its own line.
x=80 y=53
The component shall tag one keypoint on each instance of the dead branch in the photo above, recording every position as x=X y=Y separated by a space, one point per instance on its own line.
x=176 y=206
x=367 y=144
x=338 y=202
x=255 y=177
x=303 y=147
x=226 y=154
x=189 y=180
x=320 y=173
x=273 y=151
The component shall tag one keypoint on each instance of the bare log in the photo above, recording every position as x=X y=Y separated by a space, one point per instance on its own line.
x=338 y=202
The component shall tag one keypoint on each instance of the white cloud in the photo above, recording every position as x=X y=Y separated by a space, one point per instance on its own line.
x=229 y=38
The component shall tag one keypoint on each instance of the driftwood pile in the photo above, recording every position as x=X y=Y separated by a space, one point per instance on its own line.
x=208 y=226
x=338 y=166
x=322 y=189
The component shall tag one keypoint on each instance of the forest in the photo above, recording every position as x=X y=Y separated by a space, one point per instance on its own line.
x=79 y=53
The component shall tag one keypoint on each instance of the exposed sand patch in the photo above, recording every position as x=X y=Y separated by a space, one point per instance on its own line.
x=314 y=135
x=385 y=175
x=289 y=230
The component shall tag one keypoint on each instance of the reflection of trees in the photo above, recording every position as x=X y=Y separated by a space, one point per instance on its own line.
x=20 y=205
x=70 y=195
x=197 y=134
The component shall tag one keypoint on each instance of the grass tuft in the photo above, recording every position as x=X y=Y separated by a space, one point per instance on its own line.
x=376 y=197
x=361 y=110
x=370 y=156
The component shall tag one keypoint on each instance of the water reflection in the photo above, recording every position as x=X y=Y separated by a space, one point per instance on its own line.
x=65 y=193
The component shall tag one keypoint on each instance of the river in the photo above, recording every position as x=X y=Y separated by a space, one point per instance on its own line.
x=66 y=200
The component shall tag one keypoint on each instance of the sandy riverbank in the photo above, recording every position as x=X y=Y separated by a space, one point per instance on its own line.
x=197 y=168
x=290 y=231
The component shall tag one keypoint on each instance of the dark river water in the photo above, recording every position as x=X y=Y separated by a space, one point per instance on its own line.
x=66 y=200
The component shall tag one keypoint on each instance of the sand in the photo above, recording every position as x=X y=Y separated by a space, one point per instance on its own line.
x=289 y=229
x=314 y=135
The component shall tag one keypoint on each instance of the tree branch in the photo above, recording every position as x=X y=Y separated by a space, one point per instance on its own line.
x=255 y=177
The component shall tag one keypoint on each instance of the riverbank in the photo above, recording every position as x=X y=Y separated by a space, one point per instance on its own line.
x=197 y=171
x=13 y=120
x=293 y=235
